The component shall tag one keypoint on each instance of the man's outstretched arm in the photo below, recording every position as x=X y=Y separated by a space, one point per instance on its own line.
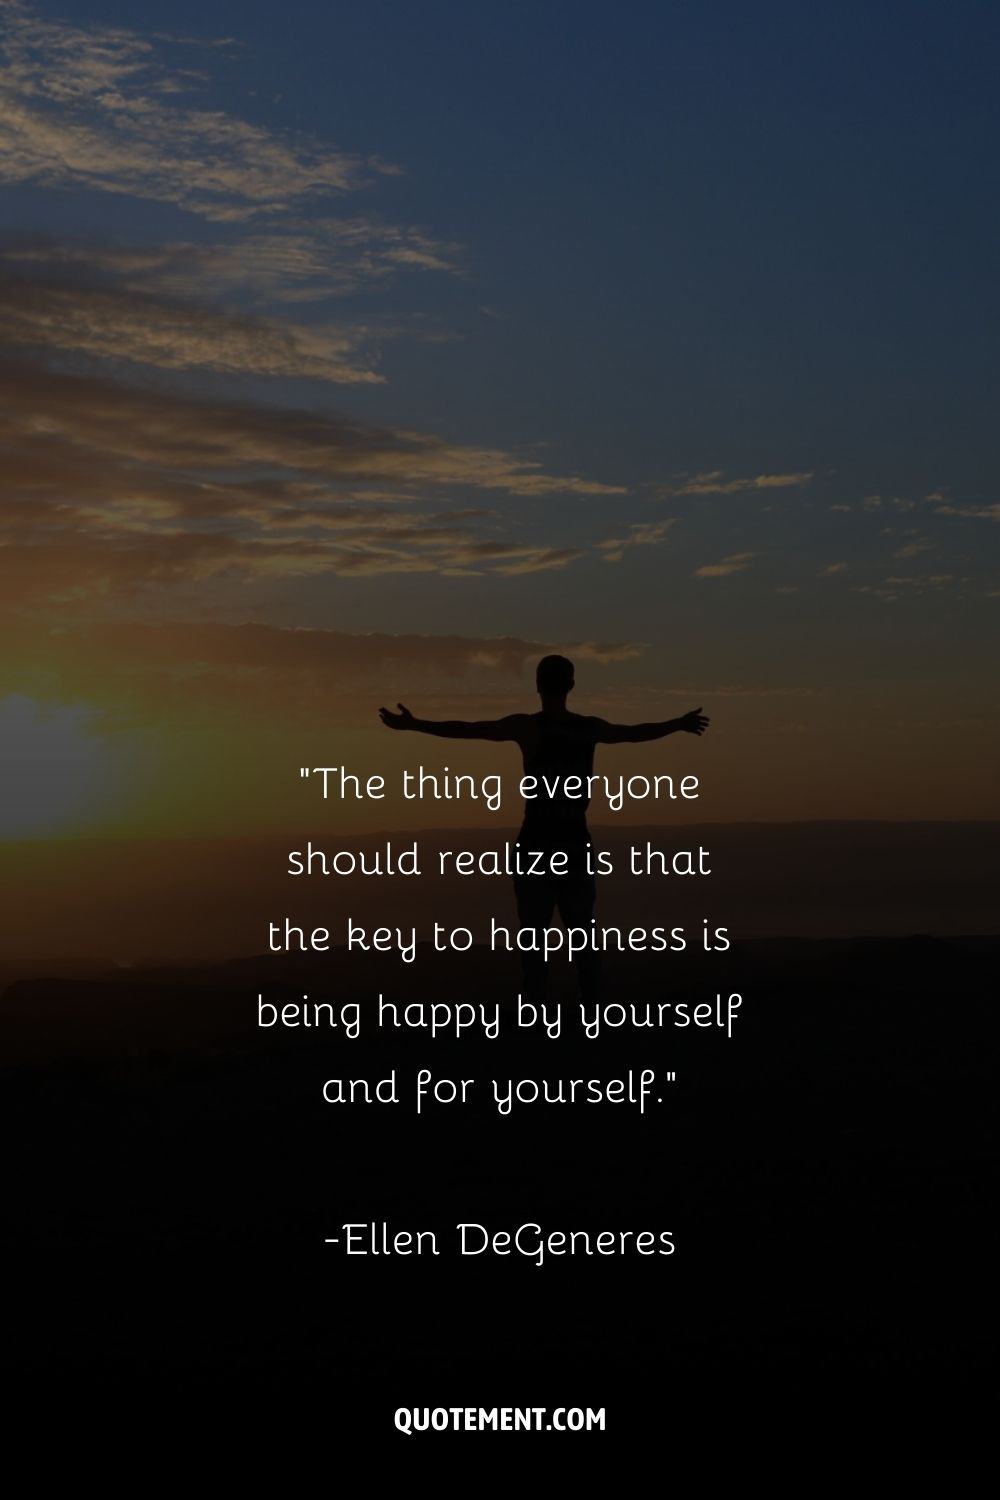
x=633 y=734
x=453 y=729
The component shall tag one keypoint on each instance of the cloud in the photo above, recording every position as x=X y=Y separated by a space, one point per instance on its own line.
x=716 y=483
x=114 y=487
x=913 y=549
x=642 y=534
x=180 y=434
x=113 y=323
x=96 y=107
x=68 y=555
x=734 y=563
x=831 y=569
x=145 y=673
x=288 y=262
x=879 y=502
x=110 y=489
x=896 y=587
x=513 y=559
x=973 y=512
x=106 y=108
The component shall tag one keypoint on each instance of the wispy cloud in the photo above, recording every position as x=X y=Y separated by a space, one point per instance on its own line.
x=286 y=262
x=972 y=512
x=179 y=433
x=734 y=563
x=715 y=482
x=641 y=534
x=110 y=109
x=897 y=587
x=110 y=489
x=114 y=323
x=913 y=549
x=115 y=486
x=145 y=672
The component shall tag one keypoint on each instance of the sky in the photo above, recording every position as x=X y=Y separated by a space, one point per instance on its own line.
x=363 y=352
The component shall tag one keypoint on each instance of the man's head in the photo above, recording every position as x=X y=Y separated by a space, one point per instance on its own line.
x=554 y=676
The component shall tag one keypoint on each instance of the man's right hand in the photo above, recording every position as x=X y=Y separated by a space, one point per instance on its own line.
x=403 y=720
x=693 y=723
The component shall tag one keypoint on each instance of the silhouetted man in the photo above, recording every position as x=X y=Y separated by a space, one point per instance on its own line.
x=555 y=743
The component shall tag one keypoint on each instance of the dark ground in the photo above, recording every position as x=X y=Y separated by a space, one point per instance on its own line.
x=172 y=1172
